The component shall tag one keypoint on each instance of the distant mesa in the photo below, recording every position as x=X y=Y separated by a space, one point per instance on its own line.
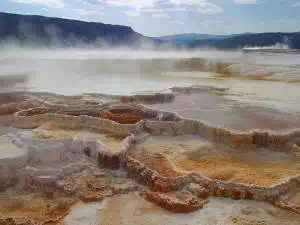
x=189 y=37
x=234 y=41
x=40 y=30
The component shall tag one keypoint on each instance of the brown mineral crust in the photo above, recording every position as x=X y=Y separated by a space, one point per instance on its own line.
x=167 y=184
x=157 y=162
x=149 y=177
x=145 y=176
x=58 y=211
x=25 y=106
x=6 y=98
x=20 y=221
x=161 y=185
x=68 y=188
x=35 y=111
x=290 y=207
x=97 y=184
x=34 y=184
x=249 y=195
x=241 y=140
x=236 y=194
x=133 y=166
x=78 y=111
x=154 y=180
x=174 y=205
x=109 y=160
x=34 y=211
x=128 y=116
x=220 y=192
x=99 y=189
x=8 y=109
x=91 y=196
x=197 y=190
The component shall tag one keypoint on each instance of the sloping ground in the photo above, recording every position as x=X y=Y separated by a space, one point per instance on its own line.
x=72 y=32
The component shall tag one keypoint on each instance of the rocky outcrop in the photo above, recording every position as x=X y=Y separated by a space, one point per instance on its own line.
x=172 y=204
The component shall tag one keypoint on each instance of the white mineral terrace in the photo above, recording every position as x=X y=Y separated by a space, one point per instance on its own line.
x=79 y=154
x=53 y=151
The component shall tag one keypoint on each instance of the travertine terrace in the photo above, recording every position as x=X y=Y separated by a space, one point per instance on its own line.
x=88 y=148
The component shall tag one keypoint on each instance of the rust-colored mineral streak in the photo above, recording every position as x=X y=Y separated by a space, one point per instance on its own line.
x=122 y=116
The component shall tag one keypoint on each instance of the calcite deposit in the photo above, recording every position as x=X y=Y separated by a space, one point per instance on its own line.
x=77 y=151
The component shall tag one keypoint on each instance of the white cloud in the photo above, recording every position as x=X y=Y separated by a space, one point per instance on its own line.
x=177 y=22
x=48 y=3
x=83 y=12
x=160 y=16
x=134 y=3
x=132 y=13
x=245 y=1
x=209 y=8
x=156 y=6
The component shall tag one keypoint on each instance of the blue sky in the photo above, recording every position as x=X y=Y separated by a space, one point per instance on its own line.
x=162 y=17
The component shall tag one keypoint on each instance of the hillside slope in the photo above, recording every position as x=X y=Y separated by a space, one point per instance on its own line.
x=53 y=31
x=191 y=37
x=257 y=40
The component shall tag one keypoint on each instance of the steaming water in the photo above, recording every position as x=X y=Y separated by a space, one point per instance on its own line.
x=122 y=72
